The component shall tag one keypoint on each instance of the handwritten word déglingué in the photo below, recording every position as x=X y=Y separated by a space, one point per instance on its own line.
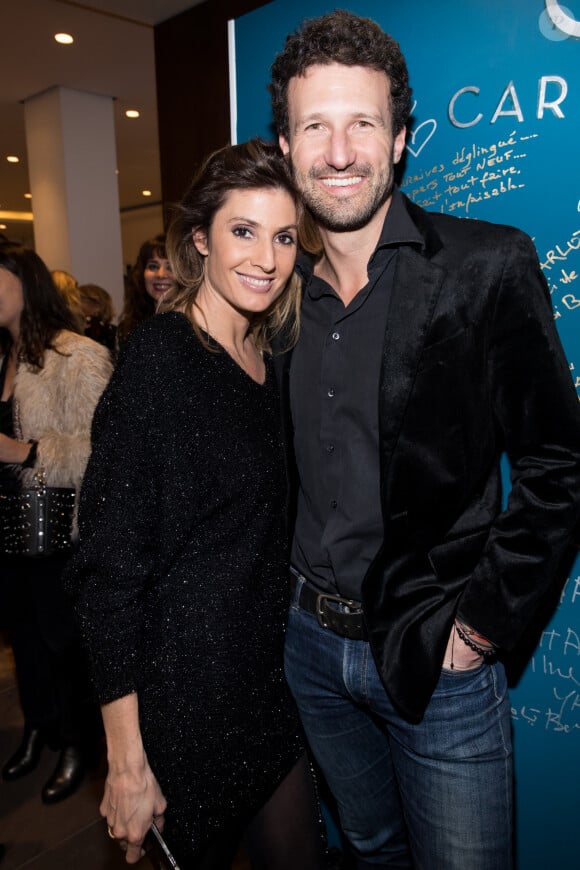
x=474 y=153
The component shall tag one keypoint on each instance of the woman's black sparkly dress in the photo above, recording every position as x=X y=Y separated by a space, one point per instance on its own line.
x=182 y=579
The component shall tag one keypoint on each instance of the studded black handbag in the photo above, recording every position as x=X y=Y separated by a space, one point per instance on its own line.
x=37 y=520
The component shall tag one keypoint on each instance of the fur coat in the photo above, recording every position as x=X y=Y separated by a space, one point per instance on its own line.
x=55 y=407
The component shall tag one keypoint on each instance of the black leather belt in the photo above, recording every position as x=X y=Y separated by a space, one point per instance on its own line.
x=346 y=620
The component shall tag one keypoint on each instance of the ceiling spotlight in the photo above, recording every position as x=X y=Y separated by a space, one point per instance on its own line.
x=132 y=113
x=27 y=196
x=13 y=159
x=146 y=193
x=3 y=227
x=64 y=38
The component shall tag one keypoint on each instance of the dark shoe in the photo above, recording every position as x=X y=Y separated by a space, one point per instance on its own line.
x=26 y=756
x=68 y=775
x=2 y=850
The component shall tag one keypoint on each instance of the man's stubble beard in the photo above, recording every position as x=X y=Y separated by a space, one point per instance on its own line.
x=344 y=215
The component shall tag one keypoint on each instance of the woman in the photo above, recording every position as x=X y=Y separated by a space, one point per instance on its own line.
x=150 y=278
x=68 y=285
x=182 y=572
x=98 y=311
x=50 y=381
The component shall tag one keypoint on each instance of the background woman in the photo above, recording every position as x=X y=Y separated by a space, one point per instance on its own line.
x=150 y=278
x=68 y=285
x=182 y=572
x=50 y=381
x=97 y=305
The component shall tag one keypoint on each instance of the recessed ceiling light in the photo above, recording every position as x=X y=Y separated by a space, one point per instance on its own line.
x=132 y=113
x=3 y=227
x=64 y=38
x=146 y=193
x=13 y=159
x=27 y=196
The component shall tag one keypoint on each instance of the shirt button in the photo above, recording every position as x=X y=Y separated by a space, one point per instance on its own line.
x=334 y=504
x=331 y=392
x=336 y=336
x=330 y=448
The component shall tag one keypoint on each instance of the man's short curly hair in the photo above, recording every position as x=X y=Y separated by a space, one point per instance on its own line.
x=345 y=38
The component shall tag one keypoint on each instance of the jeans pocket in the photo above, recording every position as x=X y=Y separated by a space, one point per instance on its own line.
x=455 y=673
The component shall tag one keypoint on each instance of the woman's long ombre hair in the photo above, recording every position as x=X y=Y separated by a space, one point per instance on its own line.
x=253 y=165
x=45 y=310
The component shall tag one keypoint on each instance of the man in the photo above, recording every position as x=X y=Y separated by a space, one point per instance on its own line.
x=427 y=348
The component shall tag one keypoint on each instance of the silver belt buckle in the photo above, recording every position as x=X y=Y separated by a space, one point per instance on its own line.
x=321 y=600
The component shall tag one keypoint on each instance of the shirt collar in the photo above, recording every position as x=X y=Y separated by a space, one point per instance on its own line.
x=398 y=229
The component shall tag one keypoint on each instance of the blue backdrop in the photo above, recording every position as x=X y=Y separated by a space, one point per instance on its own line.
x=495 y=135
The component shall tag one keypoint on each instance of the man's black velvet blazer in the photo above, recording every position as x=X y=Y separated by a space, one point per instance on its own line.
x=472 y=367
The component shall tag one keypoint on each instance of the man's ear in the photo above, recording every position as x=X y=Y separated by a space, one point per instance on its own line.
x=284 y=145
x=399 y=144
x=199 y=237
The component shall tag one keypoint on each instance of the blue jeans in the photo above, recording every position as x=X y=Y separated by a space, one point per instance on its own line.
x=432 y=796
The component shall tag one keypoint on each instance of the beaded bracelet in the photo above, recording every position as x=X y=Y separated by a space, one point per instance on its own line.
x=486 y=652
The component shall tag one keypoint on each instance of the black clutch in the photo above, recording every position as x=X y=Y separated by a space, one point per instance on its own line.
x=38 y=520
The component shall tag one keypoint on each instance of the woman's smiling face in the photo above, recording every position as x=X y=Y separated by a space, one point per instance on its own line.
x=250 y=249
x=158 y=277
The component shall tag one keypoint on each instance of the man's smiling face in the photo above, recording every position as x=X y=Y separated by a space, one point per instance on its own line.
x=341 y=144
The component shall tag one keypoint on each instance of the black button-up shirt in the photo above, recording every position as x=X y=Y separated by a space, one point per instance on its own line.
x=334 y=388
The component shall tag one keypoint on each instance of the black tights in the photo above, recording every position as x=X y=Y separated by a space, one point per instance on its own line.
x=51 y=669
x=287 y=833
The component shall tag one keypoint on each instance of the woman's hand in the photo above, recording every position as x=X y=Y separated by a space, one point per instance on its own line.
x=131 y=802
x=13 y=451
x=133 y=799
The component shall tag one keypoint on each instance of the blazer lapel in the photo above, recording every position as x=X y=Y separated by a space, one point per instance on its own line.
x=416 y=287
